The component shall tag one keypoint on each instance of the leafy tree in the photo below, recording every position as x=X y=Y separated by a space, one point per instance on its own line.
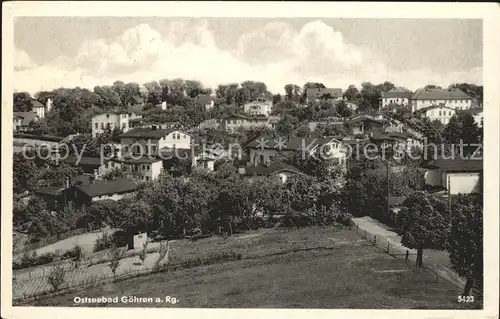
x=466 y=241
x=144 y=252
x=22 y=102
x=193 y=88
x=56 y=277
x=352 y=94
x=423 y=223
x=116 y=255
x=154 y=92
x=343 y=110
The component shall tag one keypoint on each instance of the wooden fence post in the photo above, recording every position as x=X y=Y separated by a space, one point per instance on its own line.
x=374 y=240
x=365 y=233
x=388 y=248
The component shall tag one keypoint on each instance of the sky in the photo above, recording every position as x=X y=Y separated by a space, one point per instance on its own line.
x=53 y=52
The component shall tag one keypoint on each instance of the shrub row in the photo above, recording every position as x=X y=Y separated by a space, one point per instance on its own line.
x=33 y=259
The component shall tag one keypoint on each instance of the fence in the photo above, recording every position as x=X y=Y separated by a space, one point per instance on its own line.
x=402 y=252
x=53 y=239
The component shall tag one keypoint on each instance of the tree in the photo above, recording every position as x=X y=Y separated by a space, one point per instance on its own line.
x=193 y=88
x=343 y=110
x=144 y=252
x=56 y=277
x=154 y=92
x=352 y=93
x=78 y=255
x=22 y=102
x=423 y=223
x=466 y=241
x=116 y=255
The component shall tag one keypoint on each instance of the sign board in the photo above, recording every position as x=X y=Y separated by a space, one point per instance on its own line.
x=140 y=240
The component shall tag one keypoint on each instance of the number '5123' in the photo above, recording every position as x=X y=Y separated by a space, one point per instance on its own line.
x=465 y=298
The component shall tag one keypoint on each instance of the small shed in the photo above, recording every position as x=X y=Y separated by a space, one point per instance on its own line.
x=140 y=240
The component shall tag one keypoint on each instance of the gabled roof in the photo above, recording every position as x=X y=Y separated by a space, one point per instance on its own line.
x=456 y=165
x=438 y=106
x=50 y=191
x=27 y=117
x=363 y=118
x=316 y=93
x=108 y=187
x=36 y=104
x=270 y=170
x=439 y=94
x=147 y=133
x=85 y=160
x=396 y=94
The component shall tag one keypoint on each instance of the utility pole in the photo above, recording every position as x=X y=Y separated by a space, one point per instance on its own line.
x=449 y=199
x=388 y=187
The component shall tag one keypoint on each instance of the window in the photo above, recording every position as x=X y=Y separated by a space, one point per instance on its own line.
x=96 y=125
x=262 y=159
x=147 y=167
x=102 y=125
x=184 y=136
x=439 y=113
x=173 y=145
x=107 y=116
x=153 y=149
x=143 y=167
x=147 y=178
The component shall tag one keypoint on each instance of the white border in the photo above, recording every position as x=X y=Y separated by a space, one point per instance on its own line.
x=490 y=14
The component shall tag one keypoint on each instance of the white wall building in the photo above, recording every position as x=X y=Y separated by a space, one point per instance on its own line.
x=395 y=97
x=438 y=112
x=148 y=141
x=259 y=107
x=452 y=98
x=457 y=176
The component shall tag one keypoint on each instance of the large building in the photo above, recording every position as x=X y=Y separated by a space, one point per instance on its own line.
x=233 y=122
x=259 y=107
x=440 y=113
x=452 y=98
x=396 y=97
x=120 y=119
x=150 y=141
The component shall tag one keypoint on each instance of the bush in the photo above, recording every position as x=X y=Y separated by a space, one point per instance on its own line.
x=120 y=238
x=103 y=242
x=31 y=260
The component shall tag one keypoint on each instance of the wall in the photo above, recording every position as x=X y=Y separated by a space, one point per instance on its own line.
x=258 y=108
x=464 y=183
x=40 y=111
x=233 y=124
x=441 y=114
x=114 y=121
x=146 y=146
x=171 y=139
x=143 y=171
x=459 y=104
x=394 y=100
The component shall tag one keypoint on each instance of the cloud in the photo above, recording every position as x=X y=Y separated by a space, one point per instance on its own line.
x=275 y=53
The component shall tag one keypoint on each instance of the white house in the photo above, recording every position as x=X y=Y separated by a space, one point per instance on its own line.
x=259 y=107
x=205 y=100
x=440 y=112
x=282 y=171
x=452 y=98
x=396 y=97
x=457 y=176
x=144 y=168
x=149 y=141
x=38 y=108
x=121 y=119
x=233 y=122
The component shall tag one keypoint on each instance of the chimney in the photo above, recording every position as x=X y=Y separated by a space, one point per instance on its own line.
x=164 y=105
x=48 y=104
x=96 y=174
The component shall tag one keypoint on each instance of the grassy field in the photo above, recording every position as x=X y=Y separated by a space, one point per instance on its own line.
x=352 y=274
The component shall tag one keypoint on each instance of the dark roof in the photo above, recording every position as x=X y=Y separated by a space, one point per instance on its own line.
x=396 y=94
x=379 y=136
x=439 y=94
x=363 y=118
x=142 y=160
x=52 y=191
x=81 y=179
x=167 y=152
x=35 y=103
x=108 y=187
x=456 y=165
x=91 y=161
x=270 y=170
x=147 y=133
x=316 y=93
x=396 y=200
x=27 y=117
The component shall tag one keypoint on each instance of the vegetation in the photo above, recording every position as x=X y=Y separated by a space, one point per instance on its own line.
x=56 y=277
x=116 y=255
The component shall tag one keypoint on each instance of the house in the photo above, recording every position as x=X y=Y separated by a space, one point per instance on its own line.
x=144 y=168
x=211 y=124
x=273 y=121
x=84 y=194
x=452 y=98
x=439 y=112
x=283 y=171
x=233 y=122
x=456 y=176
x=89 y=165
x=317 y=94
x=400 y=142
x=259 y=107
x=53 y=196
x=118 y=119
x=364 y=123
x=149 y=141
x=395 y=97
x=23 y=121
x=204 y=100
x=205 y=158
x=263 y=150
x=38 y=108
